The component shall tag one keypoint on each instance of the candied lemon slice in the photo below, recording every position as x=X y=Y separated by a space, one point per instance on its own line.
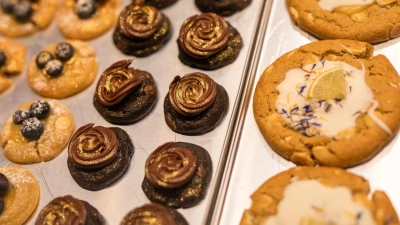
x=328 y=85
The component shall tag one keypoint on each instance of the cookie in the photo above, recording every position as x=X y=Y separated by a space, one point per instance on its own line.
x=318 y=195
x=69 y=210
x=63 y=69
x=222 y=8
x=98 y=156
x=156 y=213
x=369 y=21
x=177 y=174
x=21 y=18
x=86 y=19
x=12 y=60
x=57 y=126
x=124 y=95
x=22 y=196
x=159 y=4
x=329 y=103
x=141 y=30
x=195 y=104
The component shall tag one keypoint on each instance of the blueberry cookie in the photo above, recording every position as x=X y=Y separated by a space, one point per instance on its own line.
x=63 y=69
x=177 y=174
x=222 y=7
x=141 y=30
x=38 y=131
x=86 y=19
x=207 y=41
x=19 y=191
x=124 y=95
x=195 y=104
x=156 y=213
x=12 y=60
x=23 y=17
x=329 y=103
x=318 y=195
x=364 y=20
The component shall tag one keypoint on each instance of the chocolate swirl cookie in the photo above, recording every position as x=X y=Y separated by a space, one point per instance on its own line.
x=124 y=95
x=207 y=41
x=69 y=210
x=177 y=174
x=159 y=4
x=156 y=213
x=141 y=30
x=195 y=104
x=222 y=7
x=97 y=156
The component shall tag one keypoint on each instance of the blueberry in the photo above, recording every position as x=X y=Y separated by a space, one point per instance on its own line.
x=54 y=67
x=39 y=109
x=42 y=59
x=64 y=51
x=1 y=205
x=22 y=11
x=85 y=8
x=21 y=115
x=8 y=5
x=4 y=185
x=3 y=57
x=32 y=128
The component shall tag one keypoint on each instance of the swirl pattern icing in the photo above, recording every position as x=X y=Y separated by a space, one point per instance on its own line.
x=170 y=167
x=149 y=214
x=63 y=210
x=192 y=94
x=93 y=147
x=140 y=21
x=204 y=35
x=117 y=82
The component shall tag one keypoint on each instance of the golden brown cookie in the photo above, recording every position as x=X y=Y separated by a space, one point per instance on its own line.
x=324 y=191
x=58 y=127
x=15 y=54
x=77 y=74
x=330 y=132
x=22 y=196
x=42 y=15
x=74 y=27
x=375 y=22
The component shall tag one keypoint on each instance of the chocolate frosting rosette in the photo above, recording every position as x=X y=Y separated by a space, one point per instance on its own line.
x=141 y=30
x=159 y=4
x=222 y=8
x=207 y=41
x=97 y=156
x=124 y=95
x=69 y=210
x=195 y=104
x=177 y=174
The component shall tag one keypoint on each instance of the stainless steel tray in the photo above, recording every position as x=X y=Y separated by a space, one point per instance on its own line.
x=251 y=161
x=115 y=201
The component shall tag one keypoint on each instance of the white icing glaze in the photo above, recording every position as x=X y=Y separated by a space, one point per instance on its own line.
x=330 y=5
x=313 y=200
x=311 y=117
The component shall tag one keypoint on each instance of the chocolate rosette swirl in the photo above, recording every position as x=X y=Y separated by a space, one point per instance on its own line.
x=192 y=94
x=93 y=147
x=170 y=167
x=140 y=21
x=117 y=82
x=155 y=213
x=204 y=35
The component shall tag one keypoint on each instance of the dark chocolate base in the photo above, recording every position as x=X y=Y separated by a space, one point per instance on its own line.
x=222 y=8
x=190 y=193
x=99 y=178
x=93 y=216
x=202 y=123
x=159 y=4
x=134 y=106
x=141 y=48
x=223 y=58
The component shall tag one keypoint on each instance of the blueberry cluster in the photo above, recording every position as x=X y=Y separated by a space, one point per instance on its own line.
x=32 y=128
x=54 y=66
x=4 y=186
x=21 y=9
x=3 y=57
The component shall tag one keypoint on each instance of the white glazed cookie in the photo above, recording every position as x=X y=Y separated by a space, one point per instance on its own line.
x=318 y=196
x=15 y=54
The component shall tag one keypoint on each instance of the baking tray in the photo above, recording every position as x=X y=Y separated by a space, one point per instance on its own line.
x=115 y=201
x=251 y=161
